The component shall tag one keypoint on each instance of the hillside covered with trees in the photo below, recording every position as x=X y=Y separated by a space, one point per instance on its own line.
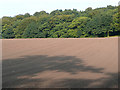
x=99 y=22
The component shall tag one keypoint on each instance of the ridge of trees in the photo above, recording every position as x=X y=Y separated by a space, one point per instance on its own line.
x=99 y=22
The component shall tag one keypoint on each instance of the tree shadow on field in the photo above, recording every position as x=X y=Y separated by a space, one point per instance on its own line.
x=108 y=82
x=19 y=72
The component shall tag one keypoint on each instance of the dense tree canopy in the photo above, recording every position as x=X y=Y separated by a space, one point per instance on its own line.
x=99 y=22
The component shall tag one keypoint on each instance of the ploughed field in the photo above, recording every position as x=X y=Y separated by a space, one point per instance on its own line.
x=60 y=63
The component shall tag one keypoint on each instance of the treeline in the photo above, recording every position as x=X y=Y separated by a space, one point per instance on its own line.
x=99 y=22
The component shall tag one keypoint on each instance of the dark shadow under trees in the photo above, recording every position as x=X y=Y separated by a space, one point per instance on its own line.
x=31 y=65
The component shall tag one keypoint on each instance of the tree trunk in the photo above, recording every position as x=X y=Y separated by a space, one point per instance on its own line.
x=107 y=33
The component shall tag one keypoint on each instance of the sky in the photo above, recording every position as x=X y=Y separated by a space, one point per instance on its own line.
x=15 y=7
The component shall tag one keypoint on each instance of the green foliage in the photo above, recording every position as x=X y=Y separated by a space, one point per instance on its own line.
x=99 y=22
x=7 y=32
x=41 y=13
x=22 y=26
x=99 y=25
x=0 y=28
x=32 y=31
x=116 y=21
x=27 y=15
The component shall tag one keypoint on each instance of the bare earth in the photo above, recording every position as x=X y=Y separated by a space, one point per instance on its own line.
x=60 y=63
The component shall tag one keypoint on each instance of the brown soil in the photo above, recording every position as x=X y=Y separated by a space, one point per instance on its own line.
x=60 y=63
